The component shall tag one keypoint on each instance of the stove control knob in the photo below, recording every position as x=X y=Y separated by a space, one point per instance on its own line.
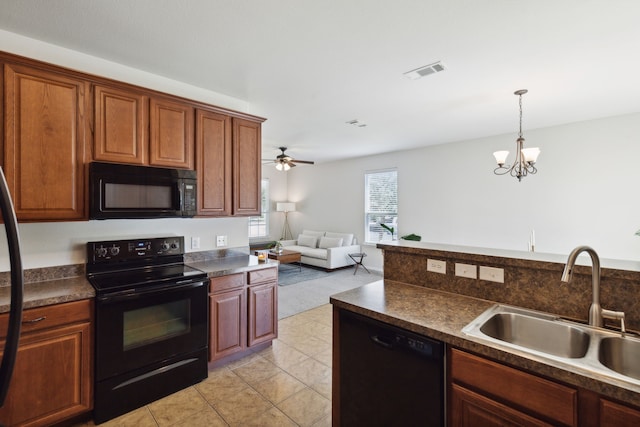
x=101 y=252
x=165 y=246
x=114 y=250
x=174 y=245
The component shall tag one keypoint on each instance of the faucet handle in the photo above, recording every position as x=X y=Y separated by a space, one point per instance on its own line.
x=610 y=314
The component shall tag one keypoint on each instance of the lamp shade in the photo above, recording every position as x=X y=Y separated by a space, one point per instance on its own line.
x=285 y=207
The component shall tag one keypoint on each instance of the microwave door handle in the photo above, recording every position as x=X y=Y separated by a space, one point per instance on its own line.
x=180 y=196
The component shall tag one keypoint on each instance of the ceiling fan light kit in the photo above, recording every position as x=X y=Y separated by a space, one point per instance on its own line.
x=284 y=162
x=525 y=157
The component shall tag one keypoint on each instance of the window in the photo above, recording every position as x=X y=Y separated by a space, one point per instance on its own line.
x=259 y=225
x=380 y=205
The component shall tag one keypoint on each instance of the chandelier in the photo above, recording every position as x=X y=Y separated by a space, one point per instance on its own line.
x=525 y=157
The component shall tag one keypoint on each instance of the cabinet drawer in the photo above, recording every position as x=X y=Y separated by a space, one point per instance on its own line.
x=223 y=283
x=520 y=389
x=261 y=276
x=36 y=319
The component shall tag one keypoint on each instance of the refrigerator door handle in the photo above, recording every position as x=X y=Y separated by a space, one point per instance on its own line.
x=17 y=289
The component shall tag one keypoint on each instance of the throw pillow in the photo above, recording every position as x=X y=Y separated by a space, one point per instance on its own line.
x=347 y=238
x=309 y=241
x=330 y=242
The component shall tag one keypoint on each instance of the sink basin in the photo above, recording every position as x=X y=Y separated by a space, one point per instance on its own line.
x=621 y=355
x=547 y=336
x=564 y=343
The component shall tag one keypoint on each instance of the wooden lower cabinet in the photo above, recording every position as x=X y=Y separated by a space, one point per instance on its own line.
x=52 y=378
x=470 y=409
x=486 y=393
x=228 y=328
x=616 y=415
x=243 y=312
x=483 y=392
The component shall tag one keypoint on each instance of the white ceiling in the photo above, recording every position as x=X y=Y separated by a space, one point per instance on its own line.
x=310 y=66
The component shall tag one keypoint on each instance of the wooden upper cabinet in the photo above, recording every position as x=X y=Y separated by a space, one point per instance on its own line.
x=247 y=172
x=45 y=131
x=213 y=163
x=171 y=134
x=121 y=123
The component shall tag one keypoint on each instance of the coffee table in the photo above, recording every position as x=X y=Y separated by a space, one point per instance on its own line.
x=286 y=257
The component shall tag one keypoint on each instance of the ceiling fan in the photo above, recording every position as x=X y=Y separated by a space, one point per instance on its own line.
x=284 y=162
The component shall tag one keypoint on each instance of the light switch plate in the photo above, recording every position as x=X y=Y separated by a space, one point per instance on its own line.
x=437 y=266
x=195 y=243
x=492 y=274
x=466 y=270
x=221 y=241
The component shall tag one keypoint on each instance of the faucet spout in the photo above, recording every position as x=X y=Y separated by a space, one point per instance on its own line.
x=595 y=311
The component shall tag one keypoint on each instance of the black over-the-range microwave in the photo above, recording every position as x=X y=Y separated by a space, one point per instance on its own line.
x=129 y=191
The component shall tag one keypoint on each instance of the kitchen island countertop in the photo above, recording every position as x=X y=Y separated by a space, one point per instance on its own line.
x=442 y=315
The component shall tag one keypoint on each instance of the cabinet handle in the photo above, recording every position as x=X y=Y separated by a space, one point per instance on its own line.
x=36 y=320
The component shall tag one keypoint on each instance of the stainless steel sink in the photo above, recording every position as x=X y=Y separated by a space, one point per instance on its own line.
x=547 y=336
x=621 y=355
x=575 y=346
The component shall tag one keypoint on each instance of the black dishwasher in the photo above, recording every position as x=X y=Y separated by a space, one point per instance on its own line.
x=388 y=376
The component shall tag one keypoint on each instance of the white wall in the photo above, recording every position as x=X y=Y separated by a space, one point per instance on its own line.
x=584 y=193
x=35 y=49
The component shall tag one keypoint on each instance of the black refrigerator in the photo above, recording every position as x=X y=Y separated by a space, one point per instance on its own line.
x=17 y=283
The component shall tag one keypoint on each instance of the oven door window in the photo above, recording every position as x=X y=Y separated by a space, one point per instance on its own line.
x=147 y=325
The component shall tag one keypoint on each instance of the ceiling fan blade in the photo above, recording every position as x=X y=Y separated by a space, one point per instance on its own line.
x=308 y=162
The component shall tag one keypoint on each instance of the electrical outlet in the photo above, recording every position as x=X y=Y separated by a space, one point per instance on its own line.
x=221 y=241
x=466 y=270
x=195 y=243
x=437 y=266
x=492 y=274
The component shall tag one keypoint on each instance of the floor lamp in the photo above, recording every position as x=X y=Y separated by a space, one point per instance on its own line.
x=286 y=207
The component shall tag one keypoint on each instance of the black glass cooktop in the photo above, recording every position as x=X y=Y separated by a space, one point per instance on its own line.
x=144 y=277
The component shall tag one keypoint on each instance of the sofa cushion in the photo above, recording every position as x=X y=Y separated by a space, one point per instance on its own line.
x=347 y=239
x=312 y=233
x=315 y=253
x=309 y=241
x=330 y=242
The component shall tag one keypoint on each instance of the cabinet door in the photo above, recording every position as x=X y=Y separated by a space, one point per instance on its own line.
x=45 y=127
x=263 y=313
x=121 y=122
x=247 y=170
x=213 y=163
x=171 y=134
x=52 y=377
x=469 y=409
x=228 y=329
x=616 y=415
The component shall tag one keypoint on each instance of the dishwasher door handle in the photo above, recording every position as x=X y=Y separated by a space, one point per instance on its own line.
x=381 y=342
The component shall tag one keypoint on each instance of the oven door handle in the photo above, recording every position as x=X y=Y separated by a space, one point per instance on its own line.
x=132 y=294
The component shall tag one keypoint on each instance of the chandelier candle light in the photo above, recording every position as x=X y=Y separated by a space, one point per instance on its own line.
x=525 y=157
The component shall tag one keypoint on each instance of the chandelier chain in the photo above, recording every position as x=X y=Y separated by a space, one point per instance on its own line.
x=520 y=102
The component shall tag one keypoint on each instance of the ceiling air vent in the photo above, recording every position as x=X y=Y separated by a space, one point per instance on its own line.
x=436 y=67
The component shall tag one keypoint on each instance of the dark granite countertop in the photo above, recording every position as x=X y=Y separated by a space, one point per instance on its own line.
x=442 y=315
x=231 y=264
x=49 y=292
x=43 y=288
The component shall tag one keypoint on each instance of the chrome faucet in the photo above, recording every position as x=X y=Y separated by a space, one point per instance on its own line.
x=596 y=313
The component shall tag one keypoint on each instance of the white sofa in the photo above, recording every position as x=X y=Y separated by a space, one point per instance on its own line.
x=324 y=248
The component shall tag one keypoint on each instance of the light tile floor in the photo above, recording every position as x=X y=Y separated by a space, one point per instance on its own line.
x=287 y=384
